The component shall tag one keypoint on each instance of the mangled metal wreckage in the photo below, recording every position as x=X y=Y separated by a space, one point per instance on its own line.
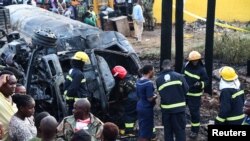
x=45 y=68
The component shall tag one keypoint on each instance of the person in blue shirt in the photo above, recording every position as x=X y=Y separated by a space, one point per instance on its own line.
x=246 y=110
x=138 y=20
x=145 y=105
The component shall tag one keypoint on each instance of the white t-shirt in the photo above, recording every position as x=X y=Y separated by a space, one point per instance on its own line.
x=67 y=13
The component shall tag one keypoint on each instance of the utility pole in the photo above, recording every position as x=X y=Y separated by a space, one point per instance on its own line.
x=166 y=30
x=210 y=42
x=179 y=36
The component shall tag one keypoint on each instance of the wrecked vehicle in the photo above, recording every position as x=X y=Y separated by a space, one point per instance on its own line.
x=44 y=76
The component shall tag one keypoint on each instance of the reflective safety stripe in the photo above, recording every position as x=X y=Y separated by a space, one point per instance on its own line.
x=170 y=83
x=69 y=78
x=192 y=75
x=76 y=99
x=235 y=118
x=72 y=98
x=129 y=125
x=154 y=130
x=194 y=94
x=195 y=124
x=170 y=106
x=65 y=92
x=202 y=84
x=83 y=81
x=69 y=98
x=122 y=131
x=238 y=94
x=220 y=119
x=244 y=123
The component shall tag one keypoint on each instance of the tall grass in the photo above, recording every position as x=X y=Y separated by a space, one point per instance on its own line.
x=232 y=48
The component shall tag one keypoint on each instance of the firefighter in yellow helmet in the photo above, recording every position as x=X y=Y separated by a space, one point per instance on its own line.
x=75 y=83
x=196 y=77
x=231 y=98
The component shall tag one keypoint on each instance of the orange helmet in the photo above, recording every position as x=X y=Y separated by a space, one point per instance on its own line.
x=119 y=71
x=194 y=55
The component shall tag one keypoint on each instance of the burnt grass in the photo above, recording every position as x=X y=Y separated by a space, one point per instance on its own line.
x=209 y=107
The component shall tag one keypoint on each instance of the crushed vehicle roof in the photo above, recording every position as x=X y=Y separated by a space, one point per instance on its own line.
x=26 y=19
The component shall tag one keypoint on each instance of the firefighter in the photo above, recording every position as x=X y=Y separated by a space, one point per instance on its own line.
x=75 y=84
x=128 y=98
x=231 y=98
x=172 y=88
x=196 y=77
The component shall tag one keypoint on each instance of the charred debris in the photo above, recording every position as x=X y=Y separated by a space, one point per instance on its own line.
x=39 y=54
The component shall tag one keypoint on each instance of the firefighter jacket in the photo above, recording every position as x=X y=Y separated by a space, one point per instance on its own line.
x=194 y=74
x=127 y=85
x=231 y=105
x=75 y=85
x=124 y=88
x=172 y=88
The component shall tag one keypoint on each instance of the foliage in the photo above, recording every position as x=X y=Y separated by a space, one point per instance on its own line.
x=232 y=48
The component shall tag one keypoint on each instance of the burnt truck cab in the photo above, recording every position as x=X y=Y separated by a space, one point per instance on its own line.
x=106 y=49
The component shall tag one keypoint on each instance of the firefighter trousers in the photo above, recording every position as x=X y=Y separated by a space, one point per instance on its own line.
x=174 y=124
x=130 y=114
x=70 y=104
x=194 y=104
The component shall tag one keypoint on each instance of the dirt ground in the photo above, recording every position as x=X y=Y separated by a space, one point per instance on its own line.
x=149 y=53
x=150 y=45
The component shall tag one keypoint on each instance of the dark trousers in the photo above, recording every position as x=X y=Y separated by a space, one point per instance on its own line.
x=174 y=125
x=146 y=122
x=102 y=20
x=130 y=114
x=194 y=104
x=236 y=122
x=70 y=104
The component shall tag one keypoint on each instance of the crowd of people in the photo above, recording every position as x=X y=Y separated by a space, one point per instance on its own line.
x=138 y=97
x=17 y=122
x=81 y=10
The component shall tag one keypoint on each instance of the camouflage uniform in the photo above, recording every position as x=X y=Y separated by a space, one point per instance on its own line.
x=148 y=14
x=67 y=128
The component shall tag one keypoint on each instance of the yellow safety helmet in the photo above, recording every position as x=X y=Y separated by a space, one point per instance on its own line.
x=82 y=56
x=228 y=73
x=194 y=55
